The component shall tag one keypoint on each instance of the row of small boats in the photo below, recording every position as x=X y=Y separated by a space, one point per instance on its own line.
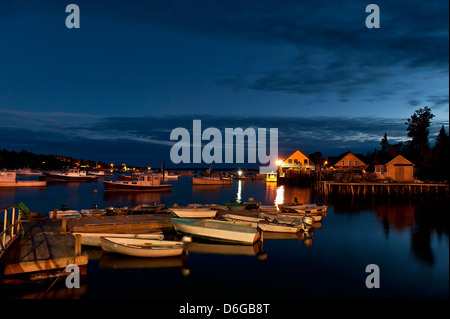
x=231 y=228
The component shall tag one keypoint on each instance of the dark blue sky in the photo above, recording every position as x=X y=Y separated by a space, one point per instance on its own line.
x=115 y=88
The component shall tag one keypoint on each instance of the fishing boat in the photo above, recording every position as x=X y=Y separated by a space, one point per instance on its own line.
x=93 y=239
x=210 y=180
x=100 y=173
x=271 y=177
x=28 y=172
x=147 y=208
x=193 y=211
x=142 y=247
x=9 y=179
x=168 y=175
x=217 y=231
x=143 y=183
x=71 y=175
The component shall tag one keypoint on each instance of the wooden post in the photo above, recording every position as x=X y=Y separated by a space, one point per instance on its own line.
x=55 y=213
x=4 y=228
x=64 y=225
x=77 y=244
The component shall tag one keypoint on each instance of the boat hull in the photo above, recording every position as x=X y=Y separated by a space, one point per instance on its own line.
x=93 y=239
x=69 y=178
x=24 y=184
x=141 y=247
x=193 y=213
x=113 y=186
x=206 y=181
x=217 y=231
x=264 y=225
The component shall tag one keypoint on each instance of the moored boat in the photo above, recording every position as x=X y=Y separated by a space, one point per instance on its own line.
x=93 y=239
x=210 y=180
x=147 y=208
x=217 y=230
x=193 y=212
x=291 y=217
x=9 y=179
x=167 y=175
x=272 y=225
x=71 y=175
x=142 y=247
x=143 y=183
x=61 y=214
x=304 y=208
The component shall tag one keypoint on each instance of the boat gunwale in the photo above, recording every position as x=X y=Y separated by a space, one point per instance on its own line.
x=250 y=228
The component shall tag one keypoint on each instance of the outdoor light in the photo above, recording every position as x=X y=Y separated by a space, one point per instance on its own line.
x=240 y=173
x=279 y=162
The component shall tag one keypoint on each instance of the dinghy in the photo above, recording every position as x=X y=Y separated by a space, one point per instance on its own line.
x=93 y=239
x=265 y=224
x=193 y=212
x=141 y=247
x=217 y=230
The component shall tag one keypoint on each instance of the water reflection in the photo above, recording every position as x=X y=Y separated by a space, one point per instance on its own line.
x=286 y=194
x=239 y=192
x=133 y=198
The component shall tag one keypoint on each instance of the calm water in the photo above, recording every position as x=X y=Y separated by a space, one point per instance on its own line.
x=407 y=239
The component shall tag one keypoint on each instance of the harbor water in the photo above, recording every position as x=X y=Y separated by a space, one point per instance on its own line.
x=407 y=238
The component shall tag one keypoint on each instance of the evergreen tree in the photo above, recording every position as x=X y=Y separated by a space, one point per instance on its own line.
x=418 y=130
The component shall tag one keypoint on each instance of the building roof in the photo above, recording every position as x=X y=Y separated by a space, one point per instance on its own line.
x=333 y=160
x=387 y=161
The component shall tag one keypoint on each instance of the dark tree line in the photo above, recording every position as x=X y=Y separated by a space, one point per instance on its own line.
x=431 y=163
x=14 y=160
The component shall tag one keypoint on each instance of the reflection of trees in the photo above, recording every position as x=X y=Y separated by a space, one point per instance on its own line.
x=430 y=219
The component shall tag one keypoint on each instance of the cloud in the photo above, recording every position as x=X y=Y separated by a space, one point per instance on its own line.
x=146 y=140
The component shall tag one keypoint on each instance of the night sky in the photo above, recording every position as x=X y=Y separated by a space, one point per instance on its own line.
x=115 y=88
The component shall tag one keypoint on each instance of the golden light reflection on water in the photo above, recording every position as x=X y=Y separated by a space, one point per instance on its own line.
x=286 y=194
x=239 y=192
x=279 y=199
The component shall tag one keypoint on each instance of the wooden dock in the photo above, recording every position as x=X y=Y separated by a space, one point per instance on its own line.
x=49 y=246
x=43 y=248
x=376 y=188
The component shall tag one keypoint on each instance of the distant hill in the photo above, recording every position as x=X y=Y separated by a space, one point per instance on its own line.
x=14 y=160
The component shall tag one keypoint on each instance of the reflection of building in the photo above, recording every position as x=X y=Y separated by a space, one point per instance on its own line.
x=399 y=169
x=295 y=163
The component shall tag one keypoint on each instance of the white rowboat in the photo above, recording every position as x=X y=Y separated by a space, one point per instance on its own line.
x=93 y=239
x=193 y=212
x=217 y=230
x=141 y=247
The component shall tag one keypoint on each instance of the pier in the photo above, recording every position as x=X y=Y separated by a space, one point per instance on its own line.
x=45 y=247
x=377 y=188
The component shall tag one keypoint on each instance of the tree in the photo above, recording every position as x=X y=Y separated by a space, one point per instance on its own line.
x=384 y=144
x=442 y=140
x=441 y=156
x=418 y=130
